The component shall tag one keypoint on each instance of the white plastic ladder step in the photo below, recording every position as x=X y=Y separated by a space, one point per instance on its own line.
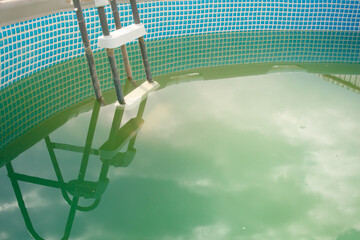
x=101 y=3
x=122 y=36
x=138 y=94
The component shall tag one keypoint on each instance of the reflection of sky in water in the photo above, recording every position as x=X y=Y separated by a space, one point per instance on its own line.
x=272 y=157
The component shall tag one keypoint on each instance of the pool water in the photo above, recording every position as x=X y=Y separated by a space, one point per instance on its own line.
x=257 y=156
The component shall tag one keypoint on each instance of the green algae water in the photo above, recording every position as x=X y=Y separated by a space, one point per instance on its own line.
x=251 y=135
x=265 y=156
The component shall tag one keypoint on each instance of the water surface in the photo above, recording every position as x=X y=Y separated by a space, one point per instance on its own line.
x=272 y=156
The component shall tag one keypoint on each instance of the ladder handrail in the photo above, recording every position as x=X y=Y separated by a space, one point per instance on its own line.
x=142 y=44
x=124 y=53
x=88 y=51
x=111 y=56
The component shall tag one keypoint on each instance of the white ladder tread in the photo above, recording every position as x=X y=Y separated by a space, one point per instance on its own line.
x=101 y=3
x=138 y=94
x=122 y=36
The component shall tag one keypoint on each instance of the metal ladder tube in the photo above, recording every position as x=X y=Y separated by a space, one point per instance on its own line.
x=142 y=44
x=88 y=52
x=124 y=53
x=21 y=203
x=111 y=56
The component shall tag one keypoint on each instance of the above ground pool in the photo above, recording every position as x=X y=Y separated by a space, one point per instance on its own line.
x=252 y=133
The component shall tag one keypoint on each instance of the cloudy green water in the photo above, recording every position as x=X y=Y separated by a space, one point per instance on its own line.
x=272 y=156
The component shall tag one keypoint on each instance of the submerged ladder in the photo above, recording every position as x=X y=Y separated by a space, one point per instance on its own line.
x=111 y=40
x=79 y=188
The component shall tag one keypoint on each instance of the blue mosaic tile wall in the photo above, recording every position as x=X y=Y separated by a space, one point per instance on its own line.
x=31 y=46
x=31 y=101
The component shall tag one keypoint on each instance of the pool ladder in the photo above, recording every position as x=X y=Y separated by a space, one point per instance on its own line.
x=109 y=41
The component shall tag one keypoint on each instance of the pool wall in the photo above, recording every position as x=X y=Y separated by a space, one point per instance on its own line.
x=30 y=46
